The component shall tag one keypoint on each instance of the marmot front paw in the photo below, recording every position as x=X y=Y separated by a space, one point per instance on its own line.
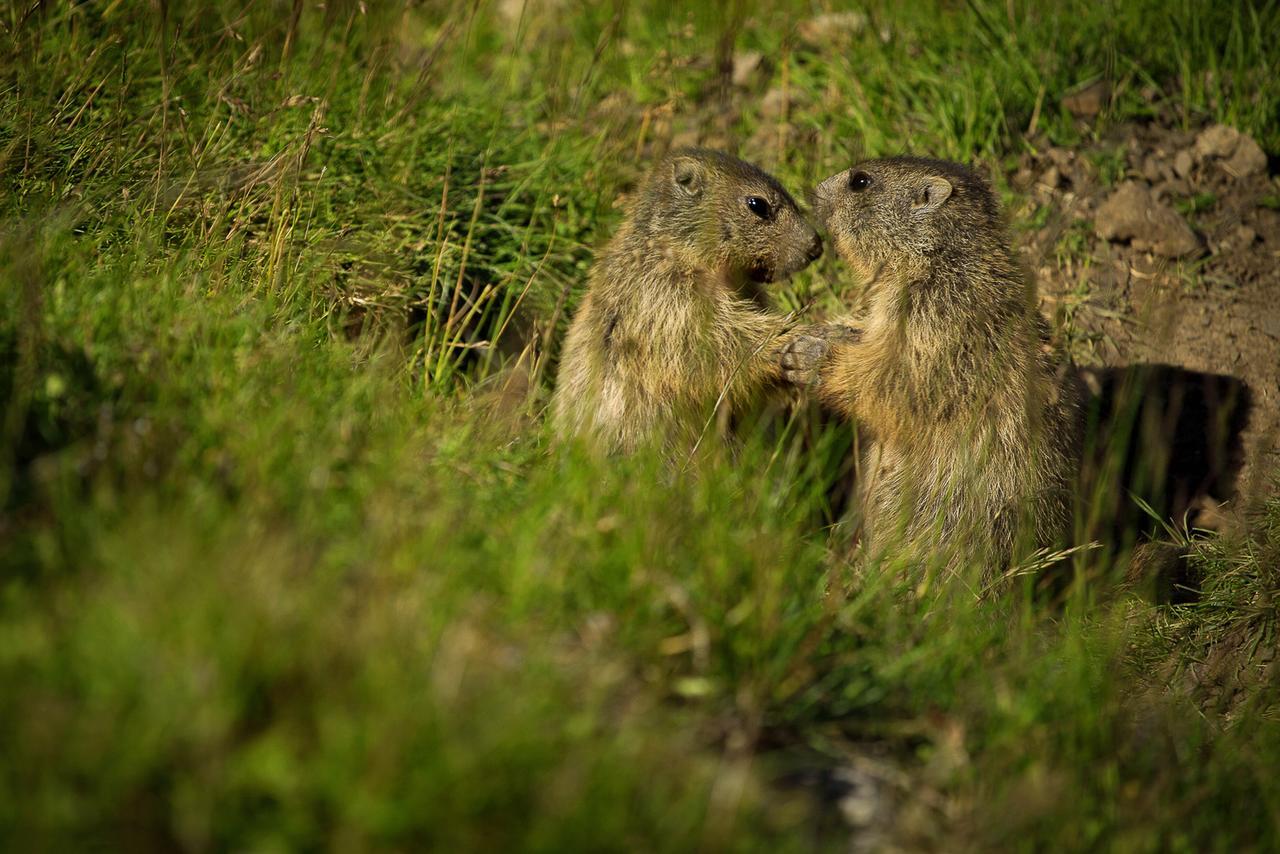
x=808 y=349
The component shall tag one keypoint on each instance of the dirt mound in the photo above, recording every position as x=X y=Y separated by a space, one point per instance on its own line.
x=1160 y=246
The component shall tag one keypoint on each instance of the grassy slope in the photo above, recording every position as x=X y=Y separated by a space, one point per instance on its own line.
x=280 y=566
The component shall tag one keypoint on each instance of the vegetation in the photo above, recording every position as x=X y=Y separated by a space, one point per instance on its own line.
x=286 y=559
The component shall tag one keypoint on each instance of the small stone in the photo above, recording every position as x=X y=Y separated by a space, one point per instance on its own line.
x=1240 y=153
x=1131 y=213
x=1051 y=177
x=776 y=103
x=746 y=66
x=1245 y=235
x=1217 y=141
x=831 y=28
x=1151 y=169
x=863 y=801
x=1182 y=163
x=1062 y=157
x=1089 y=100
x=1249 y=158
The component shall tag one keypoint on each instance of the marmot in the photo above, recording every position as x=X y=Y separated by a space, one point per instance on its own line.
x=674 y=320
x=972 y=416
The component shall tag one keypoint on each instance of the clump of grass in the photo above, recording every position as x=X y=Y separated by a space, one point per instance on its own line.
x=1110 y=164
x=1193 y=205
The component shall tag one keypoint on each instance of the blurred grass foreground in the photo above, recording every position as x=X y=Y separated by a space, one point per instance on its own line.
x=287 y=561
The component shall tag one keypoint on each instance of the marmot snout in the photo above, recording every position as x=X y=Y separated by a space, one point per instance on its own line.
x=728 y=214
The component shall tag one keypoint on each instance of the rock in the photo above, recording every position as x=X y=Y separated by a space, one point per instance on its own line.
x=777 y=102
x=1182 y=163
x=1131 y=213
x=1088 y=100
x=1240 y=153
x=1245 y=235
x=1249 y=158
x=1061 y=157
x=1217 y=141
x=1151 y=169
x=831 y=28
x=747 y=65
x=864 y=801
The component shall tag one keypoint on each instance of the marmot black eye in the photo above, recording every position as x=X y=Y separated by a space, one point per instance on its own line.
x=759 y=207
x=859 y=181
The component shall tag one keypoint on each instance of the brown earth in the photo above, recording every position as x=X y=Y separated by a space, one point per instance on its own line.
x=1160 y=246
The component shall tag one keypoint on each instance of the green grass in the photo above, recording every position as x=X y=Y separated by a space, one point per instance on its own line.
x=1197 y=204
x=283 y=567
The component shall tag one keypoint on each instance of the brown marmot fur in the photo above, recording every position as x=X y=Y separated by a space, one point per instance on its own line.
x=972 y=416
x=674 y=322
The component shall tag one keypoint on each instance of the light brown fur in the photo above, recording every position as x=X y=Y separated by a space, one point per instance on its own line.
x=673 y=321
x=972 y=418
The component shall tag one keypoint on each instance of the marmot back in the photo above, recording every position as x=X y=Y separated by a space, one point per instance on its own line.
x=674 y=319
x=972 y=417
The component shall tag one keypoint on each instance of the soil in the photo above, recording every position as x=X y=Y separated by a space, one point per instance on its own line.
x=1156 y=245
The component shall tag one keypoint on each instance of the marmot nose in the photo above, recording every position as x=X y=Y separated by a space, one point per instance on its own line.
x=815 y=248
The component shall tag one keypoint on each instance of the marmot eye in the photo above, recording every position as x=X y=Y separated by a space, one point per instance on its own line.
x=859 y=181
x=759 y=207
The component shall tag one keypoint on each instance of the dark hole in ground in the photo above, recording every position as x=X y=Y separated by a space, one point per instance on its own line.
x=1167 y=437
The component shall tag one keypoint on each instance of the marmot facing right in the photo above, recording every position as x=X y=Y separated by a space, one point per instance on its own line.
x=673 y=322
x=972 y=419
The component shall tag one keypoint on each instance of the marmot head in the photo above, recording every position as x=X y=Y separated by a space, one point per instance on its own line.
x=728 y=212
x=905 y=211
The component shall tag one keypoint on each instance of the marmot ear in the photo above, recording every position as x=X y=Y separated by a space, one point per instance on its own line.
x=930 y=197
x=686 y=172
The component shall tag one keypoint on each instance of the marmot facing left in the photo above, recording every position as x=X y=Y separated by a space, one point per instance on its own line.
x=974 y=435
x=673 y=322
